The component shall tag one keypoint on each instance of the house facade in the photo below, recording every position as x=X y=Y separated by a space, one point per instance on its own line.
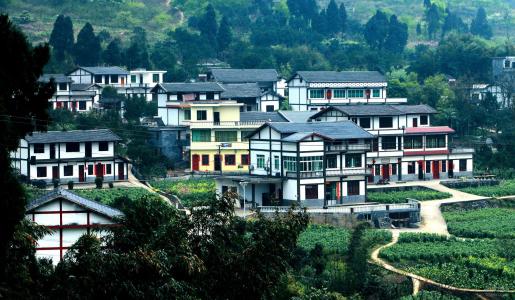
x=74 y=97
x=141 y=82
x=68 y=216
x=315 y=90
x=252 y=97
x=78 y=155
x=311 y=164
x=406 y=146
x=103 y=76
x=266 y=78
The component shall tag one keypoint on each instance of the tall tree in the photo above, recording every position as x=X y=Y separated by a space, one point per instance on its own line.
x=87 y=50
x=332 y=14
x=376 y=30
x=480 y=26
x=208 y=26
x=224 y=36
x=433 y=20
x=61 y=38
x=23 y=109
x=397 y=35
x=453 y=22
x=427 y=3
x=342 y=11
x=136 y=55
x=113 y=53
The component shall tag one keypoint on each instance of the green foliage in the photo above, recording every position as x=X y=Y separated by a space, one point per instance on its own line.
x=430 y=295
x=480 y=26
x=62 y=38
x=192 y=192
x=505 y=188
x=401 y=196
x=108 y=196
x=87 y=49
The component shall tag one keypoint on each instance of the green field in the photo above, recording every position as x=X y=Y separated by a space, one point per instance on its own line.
x=401 y=196
x=107 y=196
x=482 y=223
x=191 y=192
x=505 y=188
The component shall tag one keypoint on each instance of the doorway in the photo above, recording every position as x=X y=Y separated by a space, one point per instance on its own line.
x=195 y=161
x=450 y=169
x=99 y=170
x=81 y=173
x=55 y=172
x=386 y=172
x=218 y=162
x=216 y=117
x=88 y=149
x=436 y=169
x=121 y=171
x=420 y=171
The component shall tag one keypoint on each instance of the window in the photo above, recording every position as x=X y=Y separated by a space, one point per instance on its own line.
x=377 y=170
x=276 y=162
x=201 y=135
x=413 y=142
x=353 y=188
x=90 y=169
x=82 y=105
x=385 y=122
x=332 y=161
x=39 y=148
x=201 y=115
x=155 y=78
x=424 y=120
x=290 y=163
x=428 y=167
x=463 y=165
x=108 y=168
x=133 y=78
x=311 y=191
x=506 y=63
x=355 y=93
x=376 y=93
x=103 y=146
x=316 y=94
x=353 y=161
x=63 y=86
x=245 y=159
x=72 y=147
x=435 y=141
x=394 y=169
x=364 y=122
x=98 y=78
x=41 y=171
x=388 y=142
x=444 y=166
x=114 y=78
x=411 y=167
x=205 y=159
x=187 y=114
x=260 y=161
x=245 y=135
x=210 y=96
x=68 y=170
x=230 y=159
x=311 y=163
x=226 y=136
x=270 y=108
x=339 y=93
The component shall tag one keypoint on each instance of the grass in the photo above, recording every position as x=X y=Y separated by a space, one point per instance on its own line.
x=401 y=196
x=482 y=223
x=505 y=188
x=192 y=192
x=107 y=196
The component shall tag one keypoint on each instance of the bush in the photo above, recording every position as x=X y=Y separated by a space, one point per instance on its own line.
x=111 y=185
x=55 y=183
x=40 y=184
x=99 y=181
x=192 y=192
x=70 y=185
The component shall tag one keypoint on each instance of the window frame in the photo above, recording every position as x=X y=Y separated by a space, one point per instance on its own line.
x=260 y=161
x=311 y=191
x=230 y=159
x=389 y=144
x=108 y=169
x=245 y=159
x=187 y=115
x=384 y=119
x=352 y=160
x=424 y=120
x=369 y=122
x=60 y=85
x=203 y=135
x=353 y=188
x=436 y=141
x=462 y=165
x=331 y=161
x=39 y=148
x=103 y=146
x=313 y=96
x=201 y=115
x=223 y=136
x=204 y=159
x=355 y=93
x=66 y=170
x=82 y=105
x=413 y=142
x=114 y=78
x=69 y=148
x=374 y=93
x=43 y=173
x=155 y=78
x=342 y=96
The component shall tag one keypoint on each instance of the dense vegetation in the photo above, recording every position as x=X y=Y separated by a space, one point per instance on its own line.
x=191 y=192
x=505 y=188
x=108 y=196
x=402 y=196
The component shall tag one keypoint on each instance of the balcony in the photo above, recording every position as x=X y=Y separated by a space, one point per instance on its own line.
x=329 y=173
x=348 y=147
x=462 y=150
x=225 y=124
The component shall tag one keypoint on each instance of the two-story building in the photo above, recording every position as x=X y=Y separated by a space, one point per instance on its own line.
x=315 y=90
x=312 y=164
x=219 y=135
x=252 y=97
x=266 y=78
x=406 y=146
x=103 y=76
x=77 y=155
x=71 y=96
x=141 y=82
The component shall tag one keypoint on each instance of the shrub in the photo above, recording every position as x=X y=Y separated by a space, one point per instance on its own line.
x=40 y=184
x=55 y=183
x=99 y=181
x=70 y=185
x=111 y=185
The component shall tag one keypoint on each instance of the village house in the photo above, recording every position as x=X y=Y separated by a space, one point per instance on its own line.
x=141 y=82
x=311 y=164
x=71 y=96
x=68 y=216
x=266 y=78
x=77 y=155
x=252 y=97
x=406 y=146
x=103 y=76
x=315 y=90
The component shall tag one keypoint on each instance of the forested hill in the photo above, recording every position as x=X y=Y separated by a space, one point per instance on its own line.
x=118 y=17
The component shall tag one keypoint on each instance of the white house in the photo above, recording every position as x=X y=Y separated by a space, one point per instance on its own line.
x=312 y=164
x=141 y=82
x=252 y=97
x=78 y=155
x=406 y=146
x=68 y=216
x=481 y=90
x=71 y=96
x=315 y=90
x=103 y=76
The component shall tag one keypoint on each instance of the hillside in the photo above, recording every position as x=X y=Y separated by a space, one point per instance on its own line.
x=118 y=17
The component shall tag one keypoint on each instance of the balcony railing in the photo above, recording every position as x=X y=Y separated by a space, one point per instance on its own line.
x=462 y=150
x=351 y=209
x=329 y=173
x=348 y=147
x=225 y=123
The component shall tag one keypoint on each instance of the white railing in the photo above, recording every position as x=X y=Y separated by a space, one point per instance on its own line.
x=315 y=174
x=348 y=147
x=351 y=209
x=225 y=123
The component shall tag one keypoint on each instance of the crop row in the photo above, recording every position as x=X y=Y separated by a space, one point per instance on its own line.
x=107 y=196
x=401 y=196
x=191 y=192
x=482 y=223
x=505 y=188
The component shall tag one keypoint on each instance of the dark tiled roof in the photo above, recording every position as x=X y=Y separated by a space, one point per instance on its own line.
x=344 y=76
x=58 y=78
x=378 y=110
x=261 y=116
x=335 y=130
x=241 y=90
x=244 y=75
x=81 y=86
x=415 y=109
x=190 y=87
x=105 y=70
x=86 y=203
x=297 y=116
x=95 y=135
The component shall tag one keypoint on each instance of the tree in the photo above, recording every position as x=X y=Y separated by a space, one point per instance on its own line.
x=136 y=56
x=332 y=15
x=397 y=35
x=61 y=38
x=376 y=30
x=112 y=55
x=23 y=109
x=87 y=49
x=343 y=17
x=357 y=255
x=433 y=20
x=427 y=3
x=224 y=36
x=418 y=29
x=480 y=26
x=453 y=22
x=208 y=26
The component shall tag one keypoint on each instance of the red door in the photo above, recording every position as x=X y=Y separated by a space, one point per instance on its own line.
x=121 y=170
x=436 y=169
x=195 y=160
x=99 y=170
x=81 y=173
x=371 y=177
x=386 y=172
